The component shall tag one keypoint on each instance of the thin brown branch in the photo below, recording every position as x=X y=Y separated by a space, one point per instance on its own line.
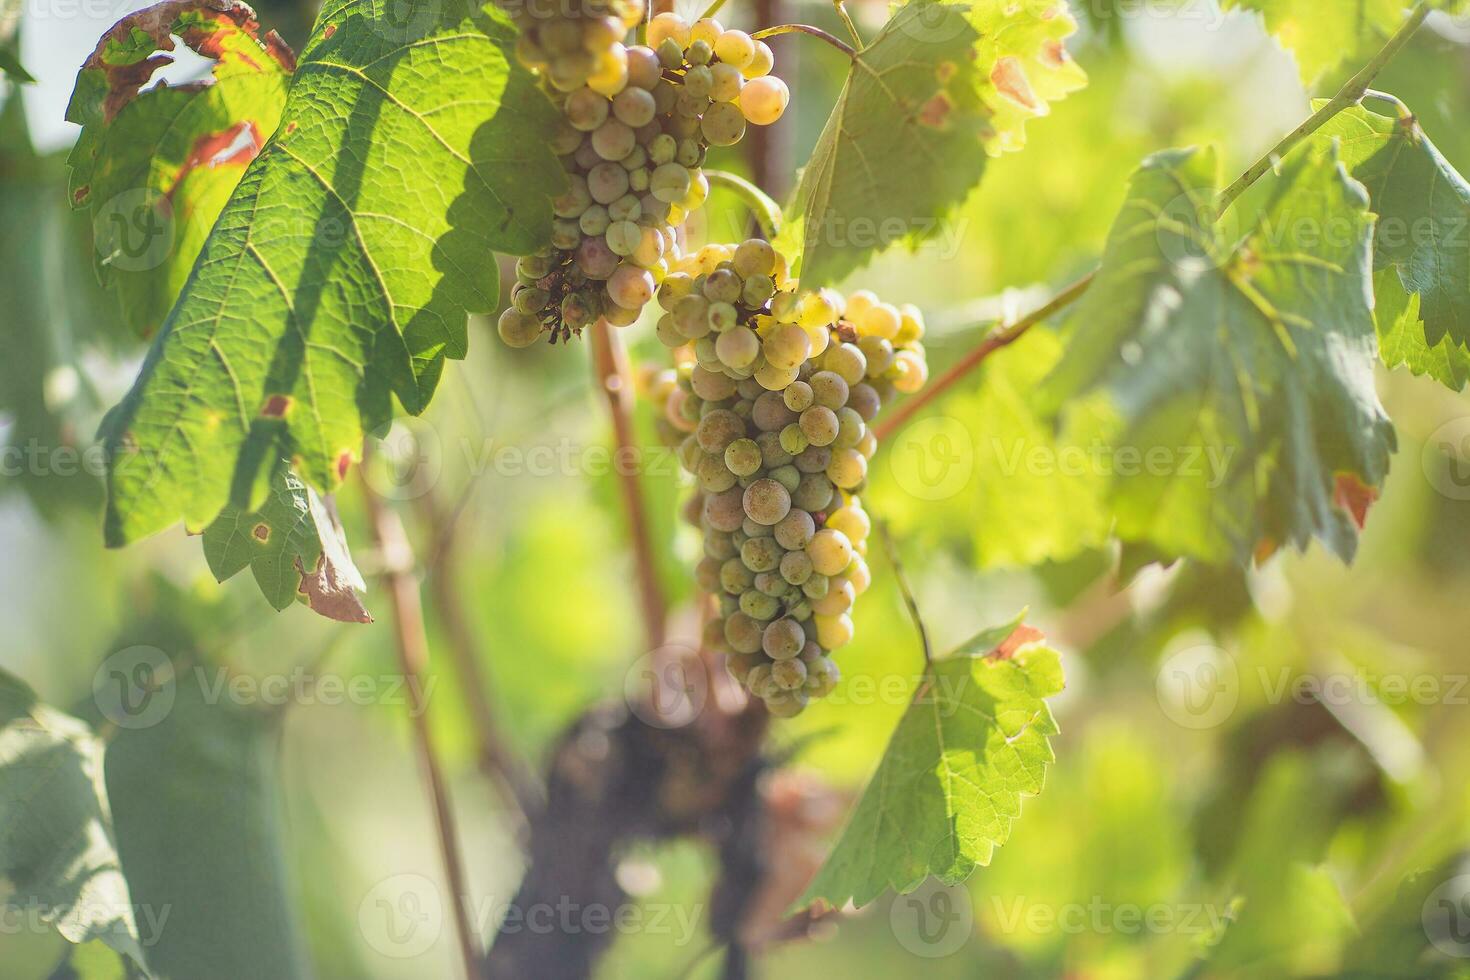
x=816 y=32
x=905 y=590
x=610 y=367
x=1002 y=337
x=413 y=655
x=498 y=761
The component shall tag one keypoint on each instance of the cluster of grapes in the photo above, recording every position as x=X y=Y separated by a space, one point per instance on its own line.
x=637 y=123
x=773 y=412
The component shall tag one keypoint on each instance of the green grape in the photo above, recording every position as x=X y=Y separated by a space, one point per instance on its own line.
x=848 y=468
x=815 y=586
x=770 y=413
x=796 y=567
x=863 y=399
x=783 y=640
x=518 y=329
x=760 y=682
x=814 y=493
x=721 y=317
x=772 y=455
x=789 y=675
x=788 y=476
x=795 y=530
x=726 y=82
x=759 y=606
x=787 y=346
x=707 y=575
x=613 y=140
x=830 y=551
x=783 y=704
x=698 y=81
x=822 y=676
x=723 y=124
x=586 y=110
x=761 y=554
x=530 y=299
x=766 y=501
x=699 y=53
x=625 y=208
x=607 y=182
x=576 y=199
x=829 y=389
x=711 y=386
x=594 y=220
x=634 y=107
x=630 y=286
x=744 y=635
x=713 y=475
x=819 y=425
x=771 y=583
x=722 y=286
x=738 y=347
x=743 y=457
x=813 y=459
x=763 y=100
x=718 y=429
x=798 y=396
x=670 y=183
x=750 y=528
x=758 y=291
x=793 y=440
x=735 y=577
x=725 y=511
x=847 y=361
x=663 y=149
x=850 y=428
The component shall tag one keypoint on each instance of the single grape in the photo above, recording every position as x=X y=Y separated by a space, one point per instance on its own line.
x=767 y=501
x=783 y=640
x=735 y=47
x=761 y=61
x=763 y=100
x=723 y=124
x=634 y=107
x=793 y=440
x=738 y=347
x=795 y=530
x=819 y=425
x=586 y=110
x=830 y=551
x=796 y=567
x=761 y=554
x=725 y=511
x=744 y=636
x=726 y=82
x=743 y=457
x=670 y=182
x=518 y=329
x=630 y=286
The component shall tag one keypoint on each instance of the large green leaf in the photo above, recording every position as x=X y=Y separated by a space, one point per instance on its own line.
x=969 y=747
x=1401 y=335
x=1323 y=33
x=56 y=841
x=1241 y=375
x=342 y=268
x=294 y=546
x=156 y=167
x=1423 y=234
x=940 y=85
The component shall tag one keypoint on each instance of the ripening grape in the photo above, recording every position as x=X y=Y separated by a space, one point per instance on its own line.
x=637 y=123
x=778 y=396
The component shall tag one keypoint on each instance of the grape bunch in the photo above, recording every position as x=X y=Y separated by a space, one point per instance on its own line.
x=637 y=123
x=773 y=411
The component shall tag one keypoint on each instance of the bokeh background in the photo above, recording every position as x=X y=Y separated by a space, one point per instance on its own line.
x=1259 y=774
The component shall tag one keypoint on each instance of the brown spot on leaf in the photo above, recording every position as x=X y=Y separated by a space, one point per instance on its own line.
x=81 y=194
x=945 y=72
x=1265 y=548
x=1021 y=636
x=276 y=406
x=235 y=146
x=935 y=113
x=1054 y=54
x=1354 y=496
x=344 y=463
x=261 y=532
x=329 y=30
x=1009 y=78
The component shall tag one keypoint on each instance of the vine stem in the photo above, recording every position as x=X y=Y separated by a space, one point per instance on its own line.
x=1351 y=94
x=767 y=213
x=610 y=364
x=905 y=590
x=412 y=644
x=816 y=32
x=994 y=341
x=852 y=30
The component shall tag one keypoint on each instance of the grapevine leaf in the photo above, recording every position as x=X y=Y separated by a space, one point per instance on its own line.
x=411 y=146
x=11 y=68
x=1423 y=234
x=1324 y=33
x=1241 y=375
x=949 y=786
x=294 y=546
x=1401 y=336
x=56 y=839
x=155 y=167
x=939 y=85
